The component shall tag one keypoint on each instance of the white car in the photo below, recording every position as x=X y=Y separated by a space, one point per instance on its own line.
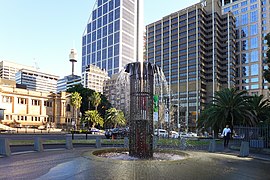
x=161 y=133
x=174 y=134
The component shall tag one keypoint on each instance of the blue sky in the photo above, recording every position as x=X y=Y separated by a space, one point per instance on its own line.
x=42 y=32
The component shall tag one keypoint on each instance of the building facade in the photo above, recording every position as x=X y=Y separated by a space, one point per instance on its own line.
x=93 y=78
x=116 y=90
x=195 y=48
x=9 y=69
x=109 y=39
x=36 y=80
x=68 y=82
x=32 y=108
x=252 y=25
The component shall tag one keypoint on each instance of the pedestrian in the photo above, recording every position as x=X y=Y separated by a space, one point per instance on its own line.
x=226 y=135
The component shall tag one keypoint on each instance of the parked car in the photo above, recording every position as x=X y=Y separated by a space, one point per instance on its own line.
x=161 y=133
x=94 y=130
x=116 y=133
x=174 y=134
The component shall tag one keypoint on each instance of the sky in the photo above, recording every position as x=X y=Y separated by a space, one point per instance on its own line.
x=41 y=33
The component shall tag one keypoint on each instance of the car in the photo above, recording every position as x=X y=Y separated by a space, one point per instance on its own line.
x=161 y=133
x=94 y=131
x=116 y=133
x=174 y=134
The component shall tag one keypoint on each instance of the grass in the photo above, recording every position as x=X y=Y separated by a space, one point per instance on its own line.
x=166 y=142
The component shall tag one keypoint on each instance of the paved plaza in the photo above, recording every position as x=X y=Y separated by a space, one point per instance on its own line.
x=80 y=164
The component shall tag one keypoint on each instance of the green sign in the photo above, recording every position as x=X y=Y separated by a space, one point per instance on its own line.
x=155 y=103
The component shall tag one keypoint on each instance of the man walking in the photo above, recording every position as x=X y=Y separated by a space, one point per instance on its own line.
x=226 y=135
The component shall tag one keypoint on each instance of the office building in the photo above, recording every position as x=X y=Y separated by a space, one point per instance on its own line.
x=36 y=80
x=195 y=48
x=110 y=38
x=252 y=25
x=9 y=69
x=116 y=90
x=93 y=78
x=68 y=82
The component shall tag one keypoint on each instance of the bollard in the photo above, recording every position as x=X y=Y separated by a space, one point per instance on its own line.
x=69 y=144
x=244 y=149
x=126 y=143
x=98 y=143
x=183 y=143
x=38 y=146
x=212 y=146
x=4 y=147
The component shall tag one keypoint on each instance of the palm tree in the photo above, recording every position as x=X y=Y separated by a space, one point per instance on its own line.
x=260 y=108
x=96 y=99
x=76 y=101
x=228 y=107
x=92 y=116
x=115 y=117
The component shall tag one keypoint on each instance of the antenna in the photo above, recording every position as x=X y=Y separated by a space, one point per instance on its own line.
x=36 y=64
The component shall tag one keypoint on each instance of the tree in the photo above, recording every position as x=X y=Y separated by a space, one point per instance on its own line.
x=95 y=99
x=114 y=117
x=92 y=116
x=260 y=108
x=76 y=101
x=267 y=71
x=227 y=107
x=86 y=95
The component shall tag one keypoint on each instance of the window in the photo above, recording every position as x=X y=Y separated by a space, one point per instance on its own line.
x=254 y=69
x=254 y=56
x=253 y=29
x=254 y=42
x=244 y=31
x=21 y=100
x=244 y=19
x=35 y=102
x=7 y=99
x=254 y=16
x=117 y=13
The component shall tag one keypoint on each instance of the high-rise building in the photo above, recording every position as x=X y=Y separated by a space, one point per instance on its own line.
x=195 y=48
x=110 y=37
x=9 y=69
x=116 y=90
x=68 y=82
x=37 y=81
x=93 y=78
x=252 y=25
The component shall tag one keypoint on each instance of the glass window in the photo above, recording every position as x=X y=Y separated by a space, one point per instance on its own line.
x=244 y=58
x=104 y=65
x=104 y=42
x=235 y=6
x=117 y=13
x=227 y=9
x=245 y=45
x=244 y=31
x=99 y=11
x=111 y=5
x=255 y=6
x=110 y=40
x=254 y=42
x=244 y=9
x=88 y=38
x=263 y=15
x=117 y=3
x=116 y=37
x=98 y=44
x=99 y=22
x=94 y=14
x=93 y=58
x=105 y=19
x=93 y=46
x=264 y=28
x=116 y=62
x=105 y=8
x=244 y=19
x=110 y=51
x=99 y=2
x=111 y=16
x=110 y=28
x=94 y=35
x=254 y=16
x=99 y=34
x=254 y=56
x=117 y=25
x=236 y=12
x=94 y=25
x=84 y=40
x=254 y=69
x=98 y=56
x=254 y=86
x=245 y=71
x=254 y=79
x=104 y=31
x=244 y=3
x=253 y=29
x=104 y=53
x=253 y=1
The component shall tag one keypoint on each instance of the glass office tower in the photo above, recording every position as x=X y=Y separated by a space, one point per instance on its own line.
x=195 y=48
x=109 y=38
x=252 y=25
